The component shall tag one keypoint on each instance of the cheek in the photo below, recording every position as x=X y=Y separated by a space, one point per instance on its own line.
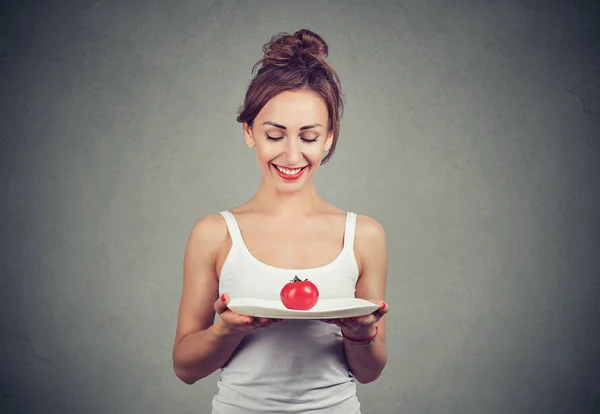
x=314 y=154
x=265 y=154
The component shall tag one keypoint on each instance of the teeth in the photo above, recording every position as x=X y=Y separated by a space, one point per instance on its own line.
x=288 y=172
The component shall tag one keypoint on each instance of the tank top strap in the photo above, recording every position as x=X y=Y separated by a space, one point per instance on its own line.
x=232 y=226
x=350 y=231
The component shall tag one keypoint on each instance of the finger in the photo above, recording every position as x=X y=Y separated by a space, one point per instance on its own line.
x=383 y=308
x=221 y=303
x=273 y=321
x=258 y=321
x=232 y=318
x=361 y=321
x=358 y=320
x=251 y=320
x=270 y=322
x=338 y=323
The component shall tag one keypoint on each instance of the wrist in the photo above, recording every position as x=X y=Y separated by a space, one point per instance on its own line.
x=224 y=332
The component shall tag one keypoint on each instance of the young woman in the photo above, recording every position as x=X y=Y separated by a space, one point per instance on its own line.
x=291 y=119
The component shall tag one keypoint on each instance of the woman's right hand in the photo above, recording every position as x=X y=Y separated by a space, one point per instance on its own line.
x=231 y=322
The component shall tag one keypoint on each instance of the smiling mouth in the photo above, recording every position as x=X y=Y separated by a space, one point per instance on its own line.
x=289 y=171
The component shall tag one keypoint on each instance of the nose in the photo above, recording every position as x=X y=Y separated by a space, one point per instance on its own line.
x=293 y=152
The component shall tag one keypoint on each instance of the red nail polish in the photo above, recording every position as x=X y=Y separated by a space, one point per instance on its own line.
x=383 y=305
x=223 y=298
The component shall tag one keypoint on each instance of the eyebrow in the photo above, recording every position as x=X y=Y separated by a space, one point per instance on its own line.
x=276 y=125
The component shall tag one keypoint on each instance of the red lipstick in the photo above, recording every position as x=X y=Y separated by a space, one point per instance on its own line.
x=289 y=177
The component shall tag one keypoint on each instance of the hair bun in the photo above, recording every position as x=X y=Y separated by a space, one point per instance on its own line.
x=285 y=48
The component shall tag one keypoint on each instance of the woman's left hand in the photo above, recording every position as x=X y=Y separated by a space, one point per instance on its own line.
x=361 y=327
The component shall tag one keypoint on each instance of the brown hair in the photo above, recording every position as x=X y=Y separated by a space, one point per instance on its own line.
x=295 y=62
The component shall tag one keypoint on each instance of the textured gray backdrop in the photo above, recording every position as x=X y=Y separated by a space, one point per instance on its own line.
x=472 y=132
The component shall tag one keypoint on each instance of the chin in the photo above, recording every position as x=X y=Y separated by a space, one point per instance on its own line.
x=288 y=189
x=283 y=187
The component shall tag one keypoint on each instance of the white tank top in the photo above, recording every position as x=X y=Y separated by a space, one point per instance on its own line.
x=295 y=366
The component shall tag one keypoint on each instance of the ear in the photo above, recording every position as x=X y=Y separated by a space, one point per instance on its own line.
x=328 y=141
x=248 y=134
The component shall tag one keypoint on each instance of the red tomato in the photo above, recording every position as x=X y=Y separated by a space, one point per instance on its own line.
x=299 y=294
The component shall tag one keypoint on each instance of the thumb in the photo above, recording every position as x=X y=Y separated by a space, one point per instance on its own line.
x=221 y=303
x=383 y=307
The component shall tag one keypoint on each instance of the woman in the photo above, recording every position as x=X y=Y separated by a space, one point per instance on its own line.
x=290 y=118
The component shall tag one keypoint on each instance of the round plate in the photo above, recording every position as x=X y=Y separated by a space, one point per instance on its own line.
x=324 y=309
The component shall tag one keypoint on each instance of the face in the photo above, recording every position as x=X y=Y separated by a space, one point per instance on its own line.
x=290 y=135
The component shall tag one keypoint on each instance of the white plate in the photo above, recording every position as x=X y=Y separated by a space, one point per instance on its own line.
x=324 y=309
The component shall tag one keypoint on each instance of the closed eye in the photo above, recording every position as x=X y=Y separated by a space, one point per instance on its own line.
x=270 y=138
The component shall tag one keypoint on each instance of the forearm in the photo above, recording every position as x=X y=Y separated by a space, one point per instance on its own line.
x=199 y=354
x=366 y=363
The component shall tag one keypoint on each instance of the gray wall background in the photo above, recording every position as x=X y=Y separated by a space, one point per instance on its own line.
x=472 y=132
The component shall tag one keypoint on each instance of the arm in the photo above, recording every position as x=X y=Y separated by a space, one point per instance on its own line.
x=367 y=363
x=202 y=346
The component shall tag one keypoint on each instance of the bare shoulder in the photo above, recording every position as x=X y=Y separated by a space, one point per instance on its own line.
x=370 y=245
x=208 y=236
x=368 y=229
x=210 y=229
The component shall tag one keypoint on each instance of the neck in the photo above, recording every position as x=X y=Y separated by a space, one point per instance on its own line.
x=283 y=204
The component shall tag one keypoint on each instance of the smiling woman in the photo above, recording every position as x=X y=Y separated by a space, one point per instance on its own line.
x=290 y=138
x=290 y=118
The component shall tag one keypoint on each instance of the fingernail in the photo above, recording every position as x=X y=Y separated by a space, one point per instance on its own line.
x=383 y=305
x=223 y=298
